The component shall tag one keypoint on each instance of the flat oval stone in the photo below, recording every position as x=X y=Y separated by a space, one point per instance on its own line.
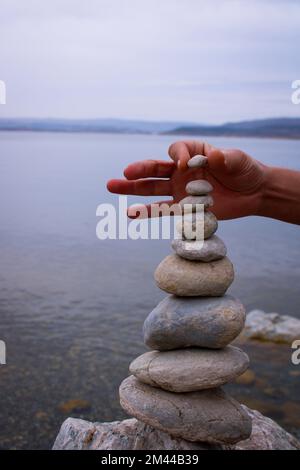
x=207 y=415
x=198 y=161
x=198 y=187
x=179 y=276
x=200 y=250
x=189 y=370
x=191 y=203
x=179 y=322
x=191 y=226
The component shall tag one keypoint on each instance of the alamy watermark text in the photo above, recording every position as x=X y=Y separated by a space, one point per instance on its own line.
x=2 y=352
x=295 y=97
x=2 y=92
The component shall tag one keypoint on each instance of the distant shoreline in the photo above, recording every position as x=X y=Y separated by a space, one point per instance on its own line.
x=94 y=132
x=272 y=128
x=242 y=136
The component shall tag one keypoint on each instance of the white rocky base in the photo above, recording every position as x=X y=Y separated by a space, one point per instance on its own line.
x=131 y=434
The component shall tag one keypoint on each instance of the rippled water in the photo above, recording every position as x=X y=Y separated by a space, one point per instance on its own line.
x=72 y=307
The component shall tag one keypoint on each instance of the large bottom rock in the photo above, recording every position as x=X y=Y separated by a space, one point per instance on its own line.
x=207 y=415
x=131 y=434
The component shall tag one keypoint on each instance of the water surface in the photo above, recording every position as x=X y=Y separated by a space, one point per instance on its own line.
x=72 y=307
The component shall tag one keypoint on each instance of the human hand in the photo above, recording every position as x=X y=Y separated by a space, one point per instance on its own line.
x=238 y=179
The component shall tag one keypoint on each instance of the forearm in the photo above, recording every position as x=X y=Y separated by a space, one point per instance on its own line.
x=281 y=195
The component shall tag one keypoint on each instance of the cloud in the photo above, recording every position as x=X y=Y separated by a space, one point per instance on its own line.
x=195 y=60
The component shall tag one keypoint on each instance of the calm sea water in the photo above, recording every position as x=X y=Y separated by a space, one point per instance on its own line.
x=72 y=307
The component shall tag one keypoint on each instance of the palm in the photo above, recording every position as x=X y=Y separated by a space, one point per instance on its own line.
x=231 y=194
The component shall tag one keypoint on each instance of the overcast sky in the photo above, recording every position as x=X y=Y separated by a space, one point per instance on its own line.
x=191 y=60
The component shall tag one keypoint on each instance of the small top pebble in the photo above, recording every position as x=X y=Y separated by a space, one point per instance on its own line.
x=198 y=187
x=198 y=161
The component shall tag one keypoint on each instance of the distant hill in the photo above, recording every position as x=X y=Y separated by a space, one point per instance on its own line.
x=288 y=128
x=89 y=125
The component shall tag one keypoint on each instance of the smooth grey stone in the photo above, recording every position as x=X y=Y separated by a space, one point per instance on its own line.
x=194 y=226
x=198 y=187
x=189 y=370
x=195 y=203
x=207 y=415
x=198 y=161
x=179 y=322
x=179 y=276
x=200 y=250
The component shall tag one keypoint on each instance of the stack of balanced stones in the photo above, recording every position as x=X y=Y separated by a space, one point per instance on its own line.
x=176 y=387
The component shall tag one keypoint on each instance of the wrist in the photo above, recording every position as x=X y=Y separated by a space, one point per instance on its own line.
x=279 y=194
x=267 y=193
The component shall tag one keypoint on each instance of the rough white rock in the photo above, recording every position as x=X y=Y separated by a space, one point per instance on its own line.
x=271 y=327
x=266 y=435
x=131 y=434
